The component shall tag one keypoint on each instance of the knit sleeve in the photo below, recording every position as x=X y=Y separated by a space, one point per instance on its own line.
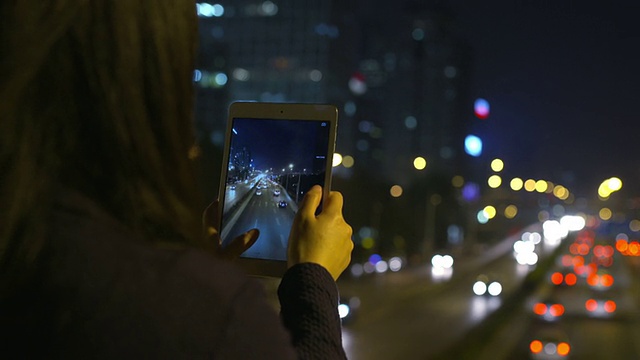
x=309 y=309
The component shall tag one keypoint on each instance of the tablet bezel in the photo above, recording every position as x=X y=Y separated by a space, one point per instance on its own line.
x=275 y=111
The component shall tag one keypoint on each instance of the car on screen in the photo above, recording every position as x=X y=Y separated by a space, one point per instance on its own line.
x=258 y=192
x=282 y=204
x=276 y=192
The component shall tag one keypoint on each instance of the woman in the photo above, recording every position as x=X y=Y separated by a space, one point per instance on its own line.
x=101 y=251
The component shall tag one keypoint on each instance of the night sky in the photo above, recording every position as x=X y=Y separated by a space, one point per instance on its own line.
x=277 y=143
x=563 y=83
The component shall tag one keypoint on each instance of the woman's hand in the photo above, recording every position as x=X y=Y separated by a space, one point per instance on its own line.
x=324 y=239
x=237 y=246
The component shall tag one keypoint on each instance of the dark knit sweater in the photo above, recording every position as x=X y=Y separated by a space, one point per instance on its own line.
x=105 y=294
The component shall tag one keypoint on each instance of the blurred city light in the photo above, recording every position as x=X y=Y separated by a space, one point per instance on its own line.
x=494 y=289
x=382 y=266
x=209 y=10
x=561 y=192
x=348 y=161
x=419 y=163
x=605 y=213
x=315 y=75
x=337 y=159
x=479 y=288
x=368 y=243
x=442 y=261
x=241 y=74
x=396 y=191
x=489 y=211
x=541 y=186
x=481 y=108
x=350 y=108
x=482 y=217
x=494 y=181
x=356 y=270
x=497 y=165
x=516 y=184
x=473 y=145
x=510 y=211
x=573 y=222
x=410 y=122
x=554 y=232
x=609 y=186
x=395 y=264
x=343 y=310
x=530 y=185
x=457 y=181
x=357 y=84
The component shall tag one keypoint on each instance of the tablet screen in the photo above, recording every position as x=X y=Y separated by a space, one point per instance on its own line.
x=271 y=164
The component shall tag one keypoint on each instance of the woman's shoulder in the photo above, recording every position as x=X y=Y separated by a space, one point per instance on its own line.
x=117 y=291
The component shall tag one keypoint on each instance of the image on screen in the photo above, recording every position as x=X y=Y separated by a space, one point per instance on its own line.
x=271 y=165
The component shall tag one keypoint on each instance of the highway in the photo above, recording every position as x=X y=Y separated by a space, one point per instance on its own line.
x=413 y=314
x=255 y=204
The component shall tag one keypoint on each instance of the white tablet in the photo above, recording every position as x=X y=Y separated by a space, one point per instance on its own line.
x=274 y=153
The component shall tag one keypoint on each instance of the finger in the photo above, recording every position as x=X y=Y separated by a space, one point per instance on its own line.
x=210 y=214
x=240 y=244
x=333 y=204
x=311 y=201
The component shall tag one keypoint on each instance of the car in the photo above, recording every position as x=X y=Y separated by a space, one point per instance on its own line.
x=600 y=307
x=484 y=285
x=549 y=344
x=282 y=204
x=232 y=187
x=600 y=280
x=276 y=192
x=258 y=192
x=548 y=310
x=564 y=278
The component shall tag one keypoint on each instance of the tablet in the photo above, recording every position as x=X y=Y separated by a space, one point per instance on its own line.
x=274 y=153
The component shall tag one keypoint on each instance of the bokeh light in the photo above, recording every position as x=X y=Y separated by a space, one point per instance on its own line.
x=605 y=213
x=541 y=186
x=494 y=181
x=337 y=159
x=457 y=181
x=490 y=211
x=516 y=184
x=497 y=165
x=473 y=145
x=348 y=161
x=396 y=191
x=510 y=211
x=481 y=108
x=419 y=163
x=530 y=185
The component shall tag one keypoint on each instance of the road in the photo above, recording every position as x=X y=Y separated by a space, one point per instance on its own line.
x=262 y=211
x=413 y=315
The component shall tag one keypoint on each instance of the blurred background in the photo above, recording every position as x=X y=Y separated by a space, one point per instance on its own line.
x=487 y=153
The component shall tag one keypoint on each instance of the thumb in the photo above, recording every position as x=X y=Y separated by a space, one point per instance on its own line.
x=240 y=244
x=311 y=201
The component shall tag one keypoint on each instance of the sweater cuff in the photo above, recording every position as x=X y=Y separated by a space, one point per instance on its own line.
x=305 y=278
